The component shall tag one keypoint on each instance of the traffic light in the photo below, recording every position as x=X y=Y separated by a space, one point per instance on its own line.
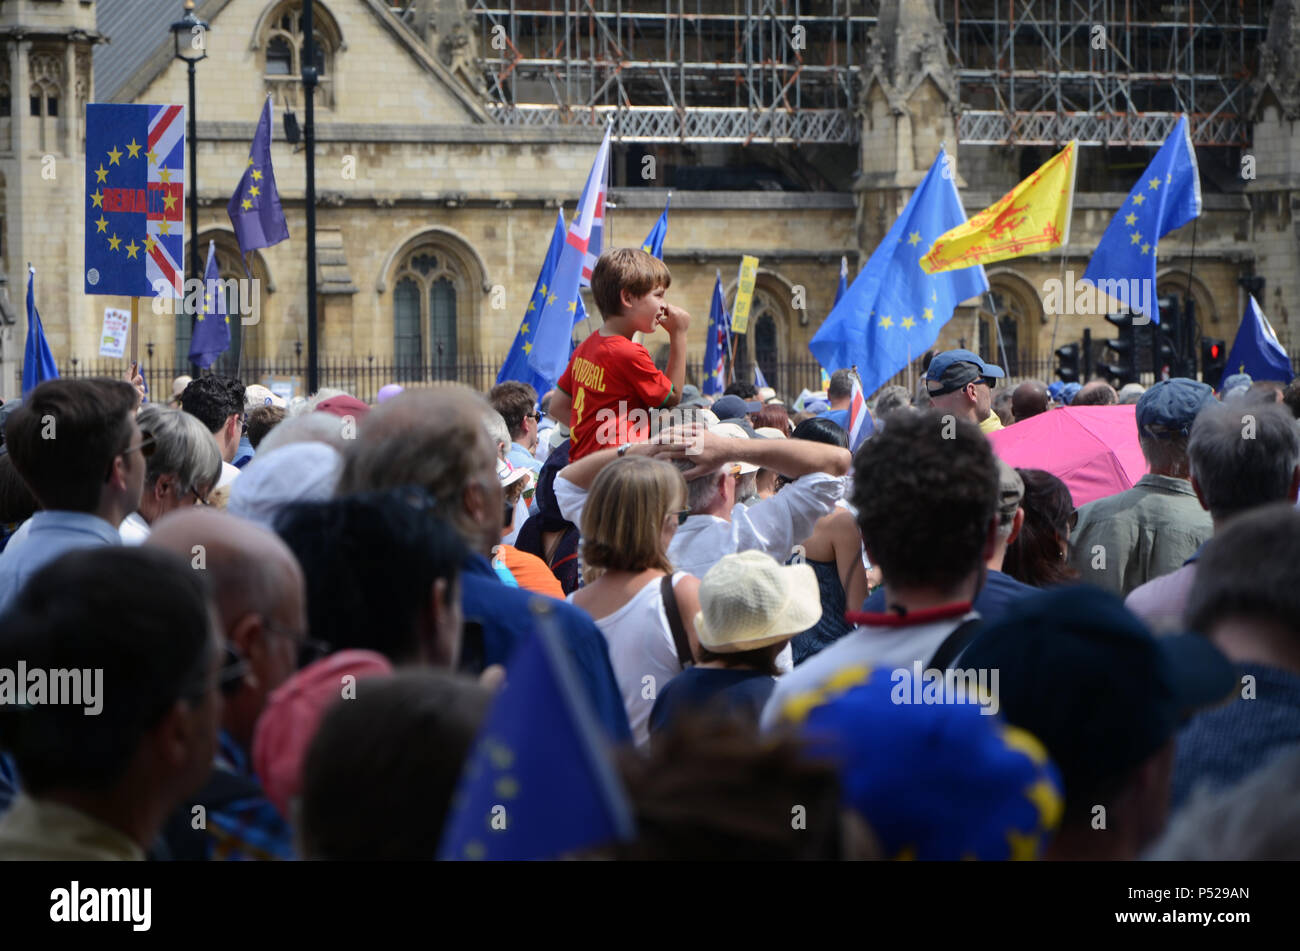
x=1125 y=349
x=1165 y=358
x=1068 y=371
x=1214 y=358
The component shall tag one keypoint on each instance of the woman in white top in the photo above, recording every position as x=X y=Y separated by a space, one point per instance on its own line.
x=631 y=514
x=182 y=463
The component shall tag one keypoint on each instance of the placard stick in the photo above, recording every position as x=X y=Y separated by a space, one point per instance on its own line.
x=135 y=331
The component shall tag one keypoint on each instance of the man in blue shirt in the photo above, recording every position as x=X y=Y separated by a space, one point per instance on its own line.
x=77 y=446
x=840 y=393
x=999 y=590
x=437 y=440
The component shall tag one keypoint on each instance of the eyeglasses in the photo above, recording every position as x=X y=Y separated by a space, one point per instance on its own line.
x=682 y=516
x=198 y=499
x=536 y=416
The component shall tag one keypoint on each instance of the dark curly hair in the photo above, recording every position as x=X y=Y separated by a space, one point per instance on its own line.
x=213 y=399
x=926 y=492
x=1034 y=556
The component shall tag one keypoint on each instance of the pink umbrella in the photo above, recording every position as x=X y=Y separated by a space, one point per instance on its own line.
x=1092 y=449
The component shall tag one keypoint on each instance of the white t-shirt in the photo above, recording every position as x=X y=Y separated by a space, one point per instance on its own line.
x=891 y=647
x=228 y=475
x=134 y=529
x=640 y=646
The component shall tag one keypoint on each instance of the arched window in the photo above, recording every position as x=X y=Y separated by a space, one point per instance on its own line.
x=766 y=317
x=283 y=41
x=45 y=92
x=426 y=321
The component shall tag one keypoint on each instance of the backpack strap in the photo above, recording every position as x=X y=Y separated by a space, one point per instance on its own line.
x=954 y=644
x=684 y=656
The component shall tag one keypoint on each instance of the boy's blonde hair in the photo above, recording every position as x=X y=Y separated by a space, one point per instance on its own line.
x=625 y=269
x=623 y=520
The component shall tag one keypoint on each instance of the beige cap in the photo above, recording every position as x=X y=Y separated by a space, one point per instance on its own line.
x=255 y=394
x=769 y=432
x=732 y=431
x=748 y=601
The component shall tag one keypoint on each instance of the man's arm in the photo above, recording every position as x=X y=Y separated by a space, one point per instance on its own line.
x=792 y=458
x=583 y=472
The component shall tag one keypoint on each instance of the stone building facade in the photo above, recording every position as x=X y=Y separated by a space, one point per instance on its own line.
x=432 y=219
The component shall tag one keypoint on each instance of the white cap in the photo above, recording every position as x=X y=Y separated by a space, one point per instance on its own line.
x=748 y=601
x=297 y=472
x=257 y=395
x=732 y=431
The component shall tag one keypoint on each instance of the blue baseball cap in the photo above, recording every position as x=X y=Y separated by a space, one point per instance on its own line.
x=1170 y=407
x=1055 y=390
x=1069 y=392
x=934 y=780
x=953 y=369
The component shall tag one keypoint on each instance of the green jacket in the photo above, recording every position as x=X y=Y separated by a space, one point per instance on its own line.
x=1125 y=540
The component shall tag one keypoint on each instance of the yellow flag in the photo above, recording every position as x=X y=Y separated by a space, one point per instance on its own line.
x=1031 y=218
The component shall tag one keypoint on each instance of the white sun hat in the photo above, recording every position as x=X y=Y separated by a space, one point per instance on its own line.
x=748 y=601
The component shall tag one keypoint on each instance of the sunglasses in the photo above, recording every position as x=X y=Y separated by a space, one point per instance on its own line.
x=682 y=516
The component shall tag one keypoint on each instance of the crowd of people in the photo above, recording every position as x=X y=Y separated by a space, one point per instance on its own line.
x=302 y=612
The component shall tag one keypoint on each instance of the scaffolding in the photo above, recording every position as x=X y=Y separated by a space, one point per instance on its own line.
x=1028 y=72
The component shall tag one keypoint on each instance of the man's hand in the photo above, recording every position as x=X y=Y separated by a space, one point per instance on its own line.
x=674 y=320
x=134 y=377
x=696 y=443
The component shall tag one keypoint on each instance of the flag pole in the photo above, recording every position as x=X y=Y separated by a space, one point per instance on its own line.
x=135 y=330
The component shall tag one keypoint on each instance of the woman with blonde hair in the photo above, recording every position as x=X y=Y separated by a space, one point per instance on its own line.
x=631 y=514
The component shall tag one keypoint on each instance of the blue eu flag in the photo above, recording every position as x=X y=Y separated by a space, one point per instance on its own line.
x=1257 y=350
x=537 y=783
x=254 y=208
x=893 y=311
x=715 y=347
x=38 y=362
x=654 y=241
x=1167 y=196
x=516 y=365
x=211 y=336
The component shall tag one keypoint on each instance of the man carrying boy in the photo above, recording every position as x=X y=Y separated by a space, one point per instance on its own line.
x=609 y=375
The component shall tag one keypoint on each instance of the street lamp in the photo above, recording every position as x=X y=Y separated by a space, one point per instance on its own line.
x=190 y=35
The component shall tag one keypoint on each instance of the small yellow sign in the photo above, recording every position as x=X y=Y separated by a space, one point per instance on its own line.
x=744 y=294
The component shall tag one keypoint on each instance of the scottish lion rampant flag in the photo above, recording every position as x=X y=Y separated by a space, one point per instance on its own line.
x=553 y=341
x=135 y=200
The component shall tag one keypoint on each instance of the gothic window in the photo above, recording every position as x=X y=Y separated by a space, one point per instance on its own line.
x=283 y=41
x=766 y=317
x=43 y=101
x=426 y=314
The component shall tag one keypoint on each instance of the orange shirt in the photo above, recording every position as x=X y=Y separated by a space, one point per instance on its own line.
x=614 y=386
x=529 y=571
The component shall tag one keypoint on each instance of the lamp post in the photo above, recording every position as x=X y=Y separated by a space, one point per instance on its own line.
x=309 y=78
x=190 y=35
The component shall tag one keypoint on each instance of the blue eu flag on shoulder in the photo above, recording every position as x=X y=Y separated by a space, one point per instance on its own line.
x=211 y=336
x=1167 y=196
x=537 y=783
x=38 y=362
x=654 y=241
x=715 y=347
x=893 y=310
x=1257 y=350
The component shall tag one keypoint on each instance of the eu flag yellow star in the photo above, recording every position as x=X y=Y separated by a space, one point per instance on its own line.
x=246 y=204
x=886 y=322
x=551 y=299
x=523 y=329
x=532 y=306
x=928 y=314
x=101 y=224
x=133 y=147
x=169 y=201
x=257 y=175
x=914 y=238
x=1154 y=183
x=1130 y=218
x=1139 y=198
x=254 y=191
x=908 y=323
x=573 y=306
x=114 y=156
x=164 y=174
x=528 y=348
x=151 y=157
x=101 y=173
x=113 y=242
x=131 y=249
x=1135 y=237
x=98 y=198
x=164 y=227
x=149 y=243
x=645 y=248
x=1145 y=247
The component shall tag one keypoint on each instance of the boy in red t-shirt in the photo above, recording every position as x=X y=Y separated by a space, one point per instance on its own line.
x=611 y=385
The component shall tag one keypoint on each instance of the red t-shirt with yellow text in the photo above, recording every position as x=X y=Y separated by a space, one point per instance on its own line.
x=614 y=386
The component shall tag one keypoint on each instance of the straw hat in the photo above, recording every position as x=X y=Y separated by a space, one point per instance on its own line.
x=748 y=601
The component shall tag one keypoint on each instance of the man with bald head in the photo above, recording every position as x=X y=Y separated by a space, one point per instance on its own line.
x=1029 y=399
x=1096 y=393
x=437 y=440
x=260 y=595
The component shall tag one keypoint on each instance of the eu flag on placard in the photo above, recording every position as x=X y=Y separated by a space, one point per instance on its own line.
x=38 y=362
x=1257 y=350
x=537 y=783
x=516 y=364
x=254 y=208
x=211 y=337
x=135 y=200
x=553 y=341
x=715 y=347
x=893 y=310
x=1167 y=196
x=654 y=241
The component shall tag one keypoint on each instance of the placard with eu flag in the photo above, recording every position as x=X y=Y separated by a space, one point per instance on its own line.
x=135 y=200
x=538 y=783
